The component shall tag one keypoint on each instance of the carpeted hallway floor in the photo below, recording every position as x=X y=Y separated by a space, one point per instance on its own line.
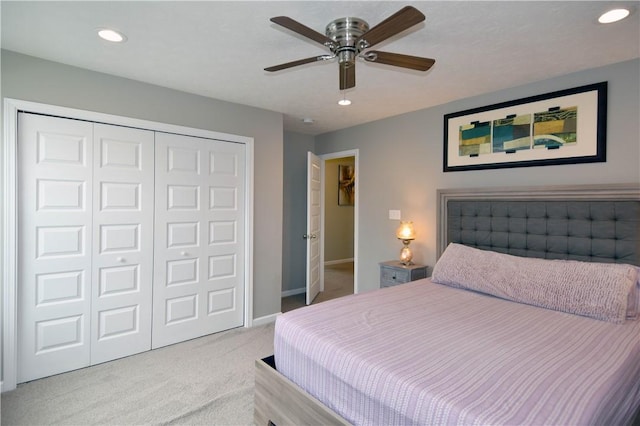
x=338 y=282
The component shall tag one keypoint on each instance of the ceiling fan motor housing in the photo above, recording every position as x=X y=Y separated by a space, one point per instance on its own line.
x=345 y=32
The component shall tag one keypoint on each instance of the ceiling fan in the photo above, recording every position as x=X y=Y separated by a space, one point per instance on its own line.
x=349 y=38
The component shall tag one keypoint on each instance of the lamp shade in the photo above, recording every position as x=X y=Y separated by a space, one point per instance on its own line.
x=405 y=231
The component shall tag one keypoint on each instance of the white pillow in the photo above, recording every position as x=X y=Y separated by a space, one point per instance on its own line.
x=596 y=290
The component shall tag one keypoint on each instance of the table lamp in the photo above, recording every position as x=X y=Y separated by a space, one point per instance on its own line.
x=406 y=233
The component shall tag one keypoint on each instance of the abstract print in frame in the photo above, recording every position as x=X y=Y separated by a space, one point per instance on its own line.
x=563 y=127
x=346 y=185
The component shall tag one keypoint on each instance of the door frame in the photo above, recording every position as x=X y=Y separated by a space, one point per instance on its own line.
x=10 y=215
x=355 y=153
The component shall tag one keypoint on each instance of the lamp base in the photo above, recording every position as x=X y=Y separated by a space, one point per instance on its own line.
x=406 y=254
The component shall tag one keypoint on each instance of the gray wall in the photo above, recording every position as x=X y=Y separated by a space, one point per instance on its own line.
x=338 y=220
x=400 y=163
x=294 y=247
x=32 y=79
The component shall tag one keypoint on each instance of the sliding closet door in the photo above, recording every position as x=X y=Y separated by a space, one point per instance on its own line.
x=199 y=248
x=55 y=239
x=123 y=179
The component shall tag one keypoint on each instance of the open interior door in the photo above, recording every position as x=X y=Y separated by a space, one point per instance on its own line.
x=314 y=209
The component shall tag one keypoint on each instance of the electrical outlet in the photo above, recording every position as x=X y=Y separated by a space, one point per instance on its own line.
x=394 y=214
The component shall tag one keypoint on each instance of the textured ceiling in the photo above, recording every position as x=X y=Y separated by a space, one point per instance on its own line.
x=219 y=49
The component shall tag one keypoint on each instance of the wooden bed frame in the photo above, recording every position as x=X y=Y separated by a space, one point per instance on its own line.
x=281 y=402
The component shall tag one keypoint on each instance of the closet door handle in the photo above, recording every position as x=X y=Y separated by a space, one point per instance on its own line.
x=184 y=253
x=120 y=259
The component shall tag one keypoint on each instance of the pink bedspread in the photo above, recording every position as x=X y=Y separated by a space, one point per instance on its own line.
x=423 y=353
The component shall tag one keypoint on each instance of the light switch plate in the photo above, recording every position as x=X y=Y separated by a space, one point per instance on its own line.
x=394 y=214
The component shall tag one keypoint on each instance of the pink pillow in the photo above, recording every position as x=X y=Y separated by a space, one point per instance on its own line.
x=605 y=291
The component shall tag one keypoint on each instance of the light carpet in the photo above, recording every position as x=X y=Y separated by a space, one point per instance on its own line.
x=209 y=381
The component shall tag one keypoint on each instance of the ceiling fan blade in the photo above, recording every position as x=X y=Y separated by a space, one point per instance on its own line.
x=347 y=76
x=399 y=60
x=298 y=62
x=407 y=17
x=303 y=30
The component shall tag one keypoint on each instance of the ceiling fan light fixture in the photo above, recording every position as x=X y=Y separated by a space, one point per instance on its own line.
x=613 y=15
x=344 y=102
x=111 y=35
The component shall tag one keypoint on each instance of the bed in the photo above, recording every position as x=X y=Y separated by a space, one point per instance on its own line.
x=473 y=347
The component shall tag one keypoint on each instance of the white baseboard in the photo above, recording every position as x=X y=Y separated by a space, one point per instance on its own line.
x=337 y=262
x=267 y=319
x=293 y=292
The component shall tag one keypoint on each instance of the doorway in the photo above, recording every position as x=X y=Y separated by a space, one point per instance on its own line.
x=341 y=267
x=339 y=220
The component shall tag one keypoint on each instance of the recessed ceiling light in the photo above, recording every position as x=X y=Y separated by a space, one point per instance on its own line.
x=613 y=15
x=307 y=120
x=344 y=102
x=111 y=35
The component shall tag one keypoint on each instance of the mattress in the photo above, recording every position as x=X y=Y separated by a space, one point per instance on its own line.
x=424 y=353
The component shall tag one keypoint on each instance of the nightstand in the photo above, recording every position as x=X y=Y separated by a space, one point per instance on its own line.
x=393 y=273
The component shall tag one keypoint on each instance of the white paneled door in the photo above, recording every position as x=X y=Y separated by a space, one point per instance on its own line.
x=199 y=250
x=314 y=210
x=55 y=239
x=85 y=243
x=123 y=182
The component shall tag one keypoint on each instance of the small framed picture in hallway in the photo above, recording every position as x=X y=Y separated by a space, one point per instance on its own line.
x=346 y=185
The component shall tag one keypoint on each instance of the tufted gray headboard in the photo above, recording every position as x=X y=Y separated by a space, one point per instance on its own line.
x=598 y=223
